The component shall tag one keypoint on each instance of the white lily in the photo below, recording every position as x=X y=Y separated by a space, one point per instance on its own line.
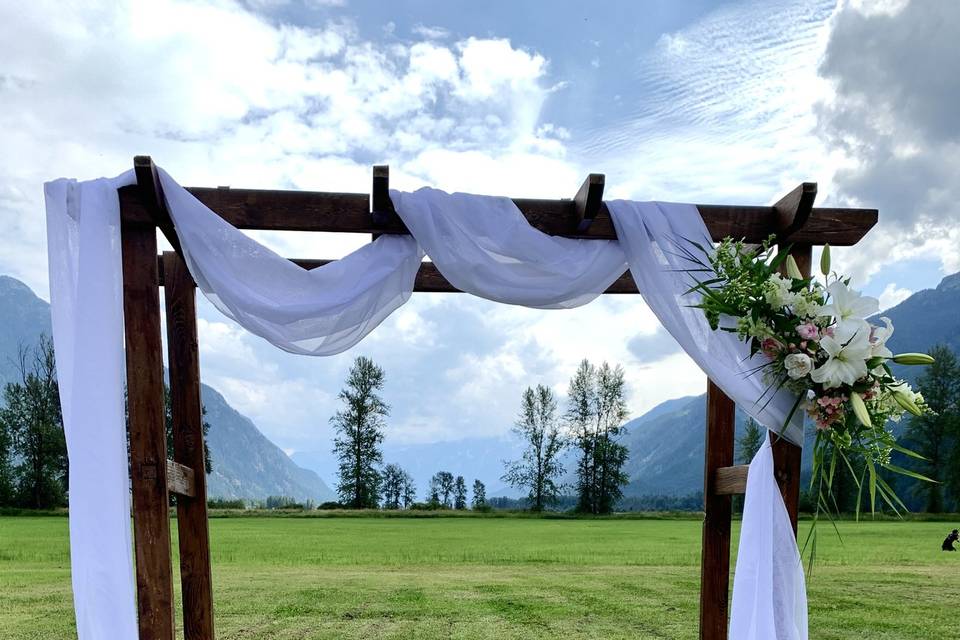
x=849 y=351
x=879 y=337
x=849 y=307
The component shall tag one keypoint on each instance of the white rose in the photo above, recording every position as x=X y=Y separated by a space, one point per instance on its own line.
x=798 y=365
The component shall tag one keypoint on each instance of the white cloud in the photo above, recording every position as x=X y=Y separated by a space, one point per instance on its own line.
x=893 y=295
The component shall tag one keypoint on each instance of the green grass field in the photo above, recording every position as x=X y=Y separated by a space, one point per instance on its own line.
x=429 y=578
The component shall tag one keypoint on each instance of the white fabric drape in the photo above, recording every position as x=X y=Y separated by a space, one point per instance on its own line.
x=482 y=245
x=86 y=303
x=652 y=235
x=318 y=312
x=769 y=595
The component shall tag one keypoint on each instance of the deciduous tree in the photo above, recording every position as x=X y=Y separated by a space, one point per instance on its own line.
x=539 y=469
x=479 y=495
x=441 y=489
x=460 y=493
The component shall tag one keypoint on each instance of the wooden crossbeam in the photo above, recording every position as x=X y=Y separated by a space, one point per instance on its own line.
x=794 y=209
x=151 y=194
x=350 y=213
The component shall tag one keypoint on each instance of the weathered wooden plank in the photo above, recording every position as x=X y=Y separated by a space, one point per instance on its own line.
x=350 y=213
x=793 y=210
x=180 y=479
x=731 y=480
x=148 y=441
x=715 y=559
x=188 y=448
x=430 y=280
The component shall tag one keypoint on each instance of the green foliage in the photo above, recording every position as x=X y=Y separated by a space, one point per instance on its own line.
x=226 y=503
x=749 y=443
x=359 y=434
x=936 y=435
x=441 y=489
x=31 y=432
x=460 y=494
x=398 y=488
x=539 y=469
x=595 y=415
x=479 y=502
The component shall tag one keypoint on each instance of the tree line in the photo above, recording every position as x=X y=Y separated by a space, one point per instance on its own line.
x=33 y=448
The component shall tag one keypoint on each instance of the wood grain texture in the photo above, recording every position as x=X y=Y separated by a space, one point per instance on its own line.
x=715 y=558
x=588 y=201
x=148 y=441
x=180 y=479
x=731 y=480
x=350 y=213
x=188 y=448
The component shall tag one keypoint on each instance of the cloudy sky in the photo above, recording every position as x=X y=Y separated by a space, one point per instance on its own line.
x=733 y=102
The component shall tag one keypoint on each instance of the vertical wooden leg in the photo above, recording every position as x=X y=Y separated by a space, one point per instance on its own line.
x=188 y=447
x=148 y=441
x=786 y=455
x=715 y=561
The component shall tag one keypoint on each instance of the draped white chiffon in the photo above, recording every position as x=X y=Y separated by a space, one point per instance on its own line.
x=482 y=245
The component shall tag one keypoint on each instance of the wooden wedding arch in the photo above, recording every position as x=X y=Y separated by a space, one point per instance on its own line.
x=794 y=219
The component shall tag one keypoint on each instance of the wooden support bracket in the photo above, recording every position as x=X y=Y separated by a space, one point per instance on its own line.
x=180 y=479
x=793 y=210
x=588 y=201
x=151 y=191
x=731 y=480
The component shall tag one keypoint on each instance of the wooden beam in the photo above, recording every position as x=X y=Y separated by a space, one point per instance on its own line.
x=151 y=194
x=793 y=210
x=717 y=507
x=148 y=439
x=350 y=213
x=588 y=201
x=188 y=448
x=731 y=480
x=430 y=280
x=180 y=479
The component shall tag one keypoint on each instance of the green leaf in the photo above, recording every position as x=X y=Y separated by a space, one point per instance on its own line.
x=907 y=472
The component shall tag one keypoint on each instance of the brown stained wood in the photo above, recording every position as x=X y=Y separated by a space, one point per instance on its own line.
x=731 y=480
x=793 y=210
x=180 y=479
x=430 y=280
x=151 y=195
x=588 y=201
x=148 y=441
x=188 y=448
x=350 y=213
x=715 y=558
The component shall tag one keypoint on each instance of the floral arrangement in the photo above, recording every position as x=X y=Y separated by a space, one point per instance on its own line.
x=821 y=343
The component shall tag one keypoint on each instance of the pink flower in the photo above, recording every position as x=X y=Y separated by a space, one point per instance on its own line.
x=770 y=347
x=808 y=331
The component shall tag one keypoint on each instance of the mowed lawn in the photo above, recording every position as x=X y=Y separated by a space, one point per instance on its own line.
x=427 y=578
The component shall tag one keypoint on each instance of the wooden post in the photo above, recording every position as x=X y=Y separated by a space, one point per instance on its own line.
x=715 y=559
x=188 y=447
x=148 y=441
x=786 y=455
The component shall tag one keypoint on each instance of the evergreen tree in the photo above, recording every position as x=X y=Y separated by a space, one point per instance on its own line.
x=539 y=469
x=359 y=428
x=595 y=415
x=33 y=424
x=935 y=434
x=749 y=443
x=442 y=486
x=460 y=493
x=398 y=490
x=479 y=495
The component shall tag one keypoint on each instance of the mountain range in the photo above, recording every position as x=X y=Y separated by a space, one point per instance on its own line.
x=666 y=444
x=245 y=463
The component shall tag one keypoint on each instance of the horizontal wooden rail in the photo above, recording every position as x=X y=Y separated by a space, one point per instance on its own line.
x=731 y=480
x=350 y=213
x=430 y=280
x=180 y=479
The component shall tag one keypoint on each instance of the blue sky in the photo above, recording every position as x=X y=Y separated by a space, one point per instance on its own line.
x=696 y=101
